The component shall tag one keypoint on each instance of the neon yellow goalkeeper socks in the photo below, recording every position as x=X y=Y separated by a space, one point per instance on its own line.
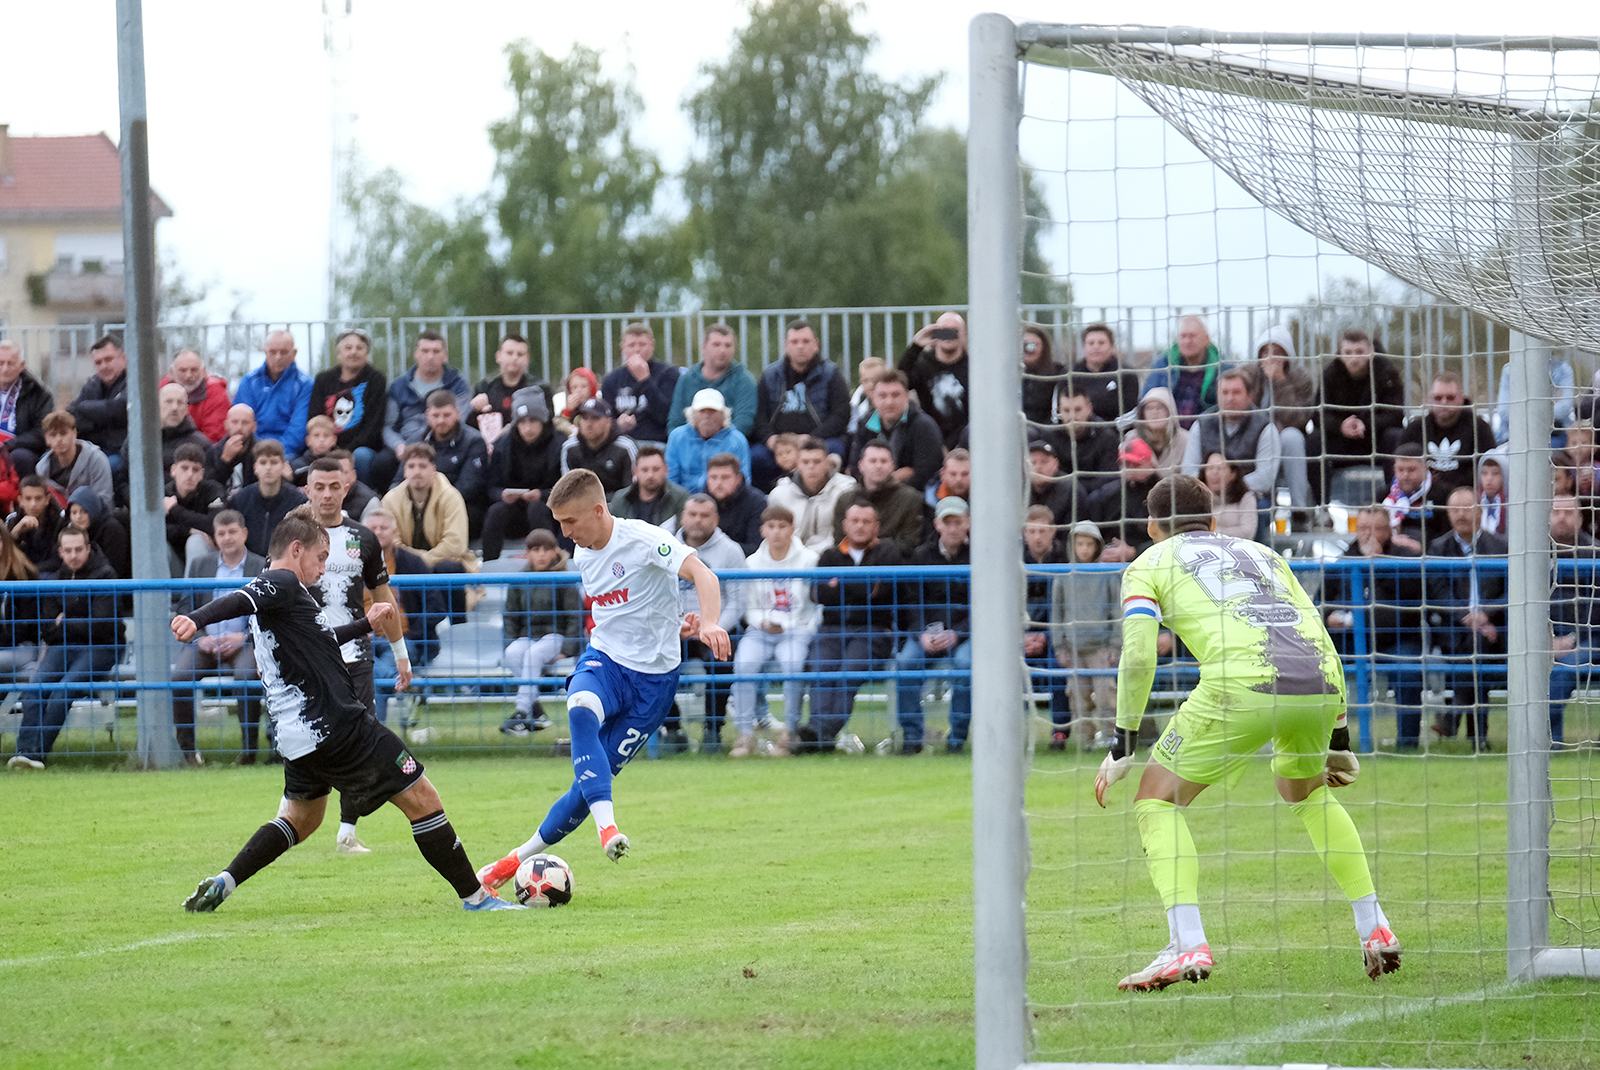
x=1169 y=850
x=1334 y=836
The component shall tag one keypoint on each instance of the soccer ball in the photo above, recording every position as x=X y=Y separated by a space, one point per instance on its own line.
x=543 y=881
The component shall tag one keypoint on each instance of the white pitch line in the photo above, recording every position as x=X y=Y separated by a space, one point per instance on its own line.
x=1396 y=1007
x=158 y=941
x=172 y=938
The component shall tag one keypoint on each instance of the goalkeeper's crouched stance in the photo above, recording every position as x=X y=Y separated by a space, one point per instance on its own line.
x=1268 y=671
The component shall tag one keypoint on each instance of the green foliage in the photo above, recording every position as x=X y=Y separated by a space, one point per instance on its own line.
x=794 y=196
x=577 y=191
x=814 y=184
x=737 y=934
x=409 y=260
x=811 y=912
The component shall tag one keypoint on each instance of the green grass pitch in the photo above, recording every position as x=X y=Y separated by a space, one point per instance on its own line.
x=799 y=913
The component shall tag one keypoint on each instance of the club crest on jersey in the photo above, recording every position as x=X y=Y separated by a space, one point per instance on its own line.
x=407 y=764
x=352 y=547
x=617 y=570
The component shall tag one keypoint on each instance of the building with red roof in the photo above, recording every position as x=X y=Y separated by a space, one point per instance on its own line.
x=61 y=231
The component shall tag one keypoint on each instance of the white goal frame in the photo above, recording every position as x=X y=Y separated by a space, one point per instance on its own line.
x=997 y=50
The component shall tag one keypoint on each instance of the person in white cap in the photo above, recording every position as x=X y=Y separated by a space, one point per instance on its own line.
x=708 y=433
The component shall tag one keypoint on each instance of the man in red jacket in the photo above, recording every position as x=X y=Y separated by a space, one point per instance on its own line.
x=208 y=394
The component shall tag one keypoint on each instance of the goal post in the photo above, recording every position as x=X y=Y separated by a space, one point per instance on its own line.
x=994 y=198
x=1355 y=159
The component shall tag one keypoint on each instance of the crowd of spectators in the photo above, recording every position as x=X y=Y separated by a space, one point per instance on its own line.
x=792 y=470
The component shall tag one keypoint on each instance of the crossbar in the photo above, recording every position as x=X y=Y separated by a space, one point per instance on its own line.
x=1064 y=35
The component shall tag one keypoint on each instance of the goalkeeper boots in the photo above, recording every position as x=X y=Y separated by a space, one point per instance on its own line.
x=495 y=874
x=1381 y=952
x=1170 y=967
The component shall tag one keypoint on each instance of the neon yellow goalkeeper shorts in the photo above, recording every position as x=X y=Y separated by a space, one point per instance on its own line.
x=1209 y=743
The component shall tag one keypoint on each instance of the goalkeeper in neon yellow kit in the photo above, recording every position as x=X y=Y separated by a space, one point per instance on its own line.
x=1268 y=671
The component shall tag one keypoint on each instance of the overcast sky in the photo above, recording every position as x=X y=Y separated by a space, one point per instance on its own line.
x=239 y=95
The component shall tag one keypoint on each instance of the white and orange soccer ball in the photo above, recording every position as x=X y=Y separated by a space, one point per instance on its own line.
x=543 y=881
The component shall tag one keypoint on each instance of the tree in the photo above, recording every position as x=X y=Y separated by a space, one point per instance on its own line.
x=577 y=193
x=815 y=183
x=569 y=227
x=409 y=260
x=797 y=145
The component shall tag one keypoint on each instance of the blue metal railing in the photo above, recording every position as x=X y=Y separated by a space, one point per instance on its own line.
x=894 y=617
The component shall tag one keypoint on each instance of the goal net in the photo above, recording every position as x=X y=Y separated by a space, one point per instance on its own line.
x=1359 y=276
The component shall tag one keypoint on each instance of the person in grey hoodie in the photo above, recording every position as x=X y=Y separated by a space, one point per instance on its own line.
x=72 y=462
x=1158 y=426
x=1086 y=633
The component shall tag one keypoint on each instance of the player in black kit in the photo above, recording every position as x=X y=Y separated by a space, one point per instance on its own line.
x=355 y=566
x=327 y=737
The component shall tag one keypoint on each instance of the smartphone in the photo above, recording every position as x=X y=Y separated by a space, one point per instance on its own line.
x=944 y=334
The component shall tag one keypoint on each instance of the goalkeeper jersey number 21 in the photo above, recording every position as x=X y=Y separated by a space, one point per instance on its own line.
x=1240 y=611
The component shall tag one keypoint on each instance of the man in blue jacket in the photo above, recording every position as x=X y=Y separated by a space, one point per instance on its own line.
x=279 y=393
x=707 y=434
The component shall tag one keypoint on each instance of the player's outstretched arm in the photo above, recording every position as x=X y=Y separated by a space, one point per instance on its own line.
x=233 y=604
x=709 y=591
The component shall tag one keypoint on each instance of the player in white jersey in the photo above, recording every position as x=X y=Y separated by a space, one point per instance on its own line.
x=627 y=677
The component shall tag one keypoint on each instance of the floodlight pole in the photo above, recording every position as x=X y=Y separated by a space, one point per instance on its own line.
x=999 y=726
x=158 y=747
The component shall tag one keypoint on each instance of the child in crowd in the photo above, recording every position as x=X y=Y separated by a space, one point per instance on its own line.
x=781 y=620
x=581 y=385
x=1086 y=634
x=321 y=436
x=1232 y=503
x=1492 y=491
x=868 y=372
x=1041 y=547
x=786 y=454
x=541 y=627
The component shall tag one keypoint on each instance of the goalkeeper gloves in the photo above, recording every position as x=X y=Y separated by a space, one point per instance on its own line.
x=1342 y=767
x=1116 y=764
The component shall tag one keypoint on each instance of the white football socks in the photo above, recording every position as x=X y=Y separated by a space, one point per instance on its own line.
x=1369 y=915
x=346 y=829
x=532 y=847
x=604 y=815
x=228 y=883
x=1183 y=924
x=477 y=897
